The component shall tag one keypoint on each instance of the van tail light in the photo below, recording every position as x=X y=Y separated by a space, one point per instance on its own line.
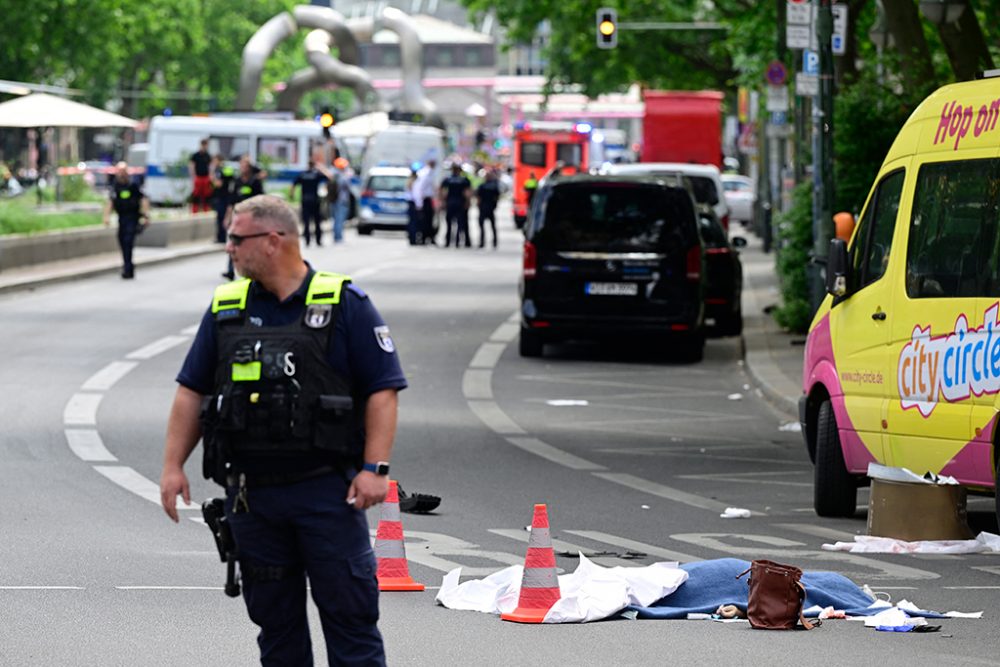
x=530 y=260
x=725 y=222
x=694 y=263
x=367 y=193
x=716 y=251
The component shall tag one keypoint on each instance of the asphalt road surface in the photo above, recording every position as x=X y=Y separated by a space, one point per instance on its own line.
x=631 y=450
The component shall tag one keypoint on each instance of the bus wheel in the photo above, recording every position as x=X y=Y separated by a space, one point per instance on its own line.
x=835 y=491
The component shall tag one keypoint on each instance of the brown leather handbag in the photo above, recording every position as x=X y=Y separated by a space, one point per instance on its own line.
x=776 y=596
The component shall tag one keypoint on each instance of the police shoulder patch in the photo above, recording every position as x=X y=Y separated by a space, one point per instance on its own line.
x=384 y=339
x=318 y=315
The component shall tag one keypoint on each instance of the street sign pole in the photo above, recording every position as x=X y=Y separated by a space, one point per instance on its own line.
x=822 y=155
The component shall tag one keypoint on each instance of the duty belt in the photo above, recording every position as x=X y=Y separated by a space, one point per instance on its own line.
x=233 y=479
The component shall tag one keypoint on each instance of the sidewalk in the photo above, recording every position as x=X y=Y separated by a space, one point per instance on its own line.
x=773 y=357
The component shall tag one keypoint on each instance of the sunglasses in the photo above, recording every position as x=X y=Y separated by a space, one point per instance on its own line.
x=237 y=239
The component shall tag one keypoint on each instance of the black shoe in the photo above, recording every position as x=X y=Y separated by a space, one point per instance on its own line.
x=228 y=275
x=418 y=503
x=128 y=275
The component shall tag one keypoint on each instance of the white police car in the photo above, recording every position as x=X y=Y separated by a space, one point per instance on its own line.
x=384 y=200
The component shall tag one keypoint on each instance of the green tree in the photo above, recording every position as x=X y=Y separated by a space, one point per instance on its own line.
x=152 y=53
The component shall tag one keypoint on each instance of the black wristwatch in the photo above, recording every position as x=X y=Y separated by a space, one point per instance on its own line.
x=379 y=468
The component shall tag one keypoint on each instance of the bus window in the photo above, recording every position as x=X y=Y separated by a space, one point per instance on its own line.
x=533 y=154
x=231 y=148
x=283 y=150
x=569 y=154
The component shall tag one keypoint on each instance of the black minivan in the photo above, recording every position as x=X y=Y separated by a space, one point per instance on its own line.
x=610 y=255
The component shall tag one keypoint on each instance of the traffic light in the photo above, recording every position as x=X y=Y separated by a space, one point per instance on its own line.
x=327 y=120
x=607 y=28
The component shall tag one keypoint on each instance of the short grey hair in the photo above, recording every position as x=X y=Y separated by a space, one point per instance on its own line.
x=273 y=211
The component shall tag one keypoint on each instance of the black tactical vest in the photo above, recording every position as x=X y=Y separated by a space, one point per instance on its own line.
x=276 y=395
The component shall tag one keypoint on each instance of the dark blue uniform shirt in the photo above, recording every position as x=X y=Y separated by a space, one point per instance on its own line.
x=360 y=350
x=310 y=180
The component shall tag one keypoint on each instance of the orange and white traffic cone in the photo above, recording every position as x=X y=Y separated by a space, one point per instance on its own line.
x=393 y=571
x=540 y=583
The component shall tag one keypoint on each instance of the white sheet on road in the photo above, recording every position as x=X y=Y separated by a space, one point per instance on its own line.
x=590 y=593
x=869 y=544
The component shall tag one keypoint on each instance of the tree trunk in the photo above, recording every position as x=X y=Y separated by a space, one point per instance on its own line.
x=903 y=20
x=966 y=47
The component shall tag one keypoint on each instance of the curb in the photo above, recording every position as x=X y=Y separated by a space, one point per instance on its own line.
x=780 y=392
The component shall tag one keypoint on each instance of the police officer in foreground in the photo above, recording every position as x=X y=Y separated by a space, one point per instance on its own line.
x=295 y=377
x=132 y=209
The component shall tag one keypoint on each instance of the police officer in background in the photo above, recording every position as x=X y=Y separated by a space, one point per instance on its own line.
x=310 y=180
x=222 y=192
x=295 y=377
x=132 y=208
x=456 y=192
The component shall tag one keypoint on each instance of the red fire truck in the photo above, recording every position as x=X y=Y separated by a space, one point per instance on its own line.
x=538 y=147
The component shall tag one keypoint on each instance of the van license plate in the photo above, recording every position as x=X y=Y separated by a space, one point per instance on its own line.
x=611 y=289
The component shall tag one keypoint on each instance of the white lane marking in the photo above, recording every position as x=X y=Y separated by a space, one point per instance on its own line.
x=818 y=531
x=81 y=410
x=550 y=453
x=130 y=480
x=992 y=569
x=633 y=545
x=561 y=545
x=487 y=355
x=427 y=549
x=389 y=263
x=749 y=546
x=506 y=332
x=168 y=588
x=515 y=317
x=191 y=330
x=666 y=492
x=87 y=445
x=972 y=588
x=156 y=347
x=748 y=478
x=42 y=588
x=105 y=378
x=477 y=384
x=685 y=451
x=495 y=419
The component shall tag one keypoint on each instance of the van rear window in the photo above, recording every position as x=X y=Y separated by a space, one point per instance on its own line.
x=954 y=244
x=618 y=217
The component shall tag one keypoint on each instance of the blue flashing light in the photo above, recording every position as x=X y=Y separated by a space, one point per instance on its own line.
x=168 y=112
x=584 y=127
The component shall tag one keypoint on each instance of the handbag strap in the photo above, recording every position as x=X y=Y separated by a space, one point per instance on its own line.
x=808 y=625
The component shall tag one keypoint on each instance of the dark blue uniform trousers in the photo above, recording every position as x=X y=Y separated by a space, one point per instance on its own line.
x=299 y=530
x=128 y=229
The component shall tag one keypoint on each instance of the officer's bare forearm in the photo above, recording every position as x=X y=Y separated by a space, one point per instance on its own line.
x=380 y=425
x=183 y=428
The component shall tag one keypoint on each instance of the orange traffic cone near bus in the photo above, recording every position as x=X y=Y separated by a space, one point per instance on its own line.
x=393 y=571
x=540 y=584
